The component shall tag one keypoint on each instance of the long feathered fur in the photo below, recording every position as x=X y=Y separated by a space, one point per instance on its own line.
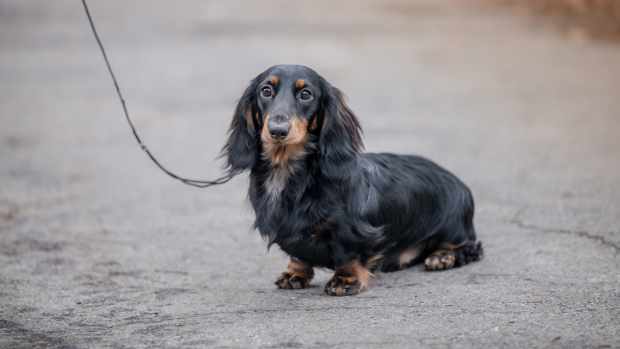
x=339 y=204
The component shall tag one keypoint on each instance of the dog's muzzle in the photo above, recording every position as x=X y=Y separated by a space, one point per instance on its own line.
x=279 y=126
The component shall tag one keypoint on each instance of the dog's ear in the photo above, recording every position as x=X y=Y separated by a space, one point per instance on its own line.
x=340 y=137
x=242 y=147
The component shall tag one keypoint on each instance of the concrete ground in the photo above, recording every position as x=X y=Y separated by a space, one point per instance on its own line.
x=99 y=249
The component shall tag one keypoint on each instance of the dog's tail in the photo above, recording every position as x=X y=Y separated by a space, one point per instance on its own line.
x=469 y=252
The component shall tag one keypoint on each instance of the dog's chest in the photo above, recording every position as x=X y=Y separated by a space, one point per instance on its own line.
x=293 y=219
x=275 y=183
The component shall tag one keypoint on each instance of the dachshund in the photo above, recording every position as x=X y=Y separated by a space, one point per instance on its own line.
x=328 y=204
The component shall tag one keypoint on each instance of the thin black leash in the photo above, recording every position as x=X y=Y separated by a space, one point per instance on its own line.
x=193 y=182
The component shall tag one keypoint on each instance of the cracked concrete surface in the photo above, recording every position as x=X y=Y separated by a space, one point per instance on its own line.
x=99 y=249
x=599 y=238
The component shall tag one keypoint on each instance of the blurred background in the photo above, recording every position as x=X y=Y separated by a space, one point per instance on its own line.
x=98 y=248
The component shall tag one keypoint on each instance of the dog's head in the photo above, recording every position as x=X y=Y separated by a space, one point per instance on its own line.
x=287 y=110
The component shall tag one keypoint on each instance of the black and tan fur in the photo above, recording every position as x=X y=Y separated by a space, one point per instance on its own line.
x=328 y=204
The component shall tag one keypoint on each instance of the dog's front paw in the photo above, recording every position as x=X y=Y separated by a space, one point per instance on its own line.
x=341 y=285
x=291 y=281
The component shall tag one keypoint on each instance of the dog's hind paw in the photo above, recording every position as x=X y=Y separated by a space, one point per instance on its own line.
x=440 y=260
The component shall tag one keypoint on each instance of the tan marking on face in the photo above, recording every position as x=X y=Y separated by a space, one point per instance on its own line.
x=299 y=130
x=300 y=83
x=274 y=80
x=408 y=255
x=291 y=148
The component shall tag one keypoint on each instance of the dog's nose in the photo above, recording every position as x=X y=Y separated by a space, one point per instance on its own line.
x=278 y=132
x=278 y=126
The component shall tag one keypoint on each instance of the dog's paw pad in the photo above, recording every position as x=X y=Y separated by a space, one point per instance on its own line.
x=290 y=281
x=440 y=260
x=344 y=286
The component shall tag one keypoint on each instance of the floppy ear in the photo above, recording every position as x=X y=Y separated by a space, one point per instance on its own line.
x=242 y=147
x=340 y=139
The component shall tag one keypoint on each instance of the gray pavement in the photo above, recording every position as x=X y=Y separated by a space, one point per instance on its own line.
x=98 y=249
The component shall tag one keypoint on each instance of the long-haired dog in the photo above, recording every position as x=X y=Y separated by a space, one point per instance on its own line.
x=326 y=203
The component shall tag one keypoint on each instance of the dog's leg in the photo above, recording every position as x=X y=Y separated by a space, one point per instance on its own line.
x=449 y=255
x=297 y=275
x=350 y=279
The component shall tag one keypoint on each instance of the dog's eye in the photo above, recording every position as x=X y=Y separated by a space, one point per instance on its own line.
x=305 y=95
x=266 y=91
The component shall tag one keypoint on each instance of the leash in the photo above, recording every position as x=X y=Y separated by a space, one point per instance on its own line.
x=193 y=182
